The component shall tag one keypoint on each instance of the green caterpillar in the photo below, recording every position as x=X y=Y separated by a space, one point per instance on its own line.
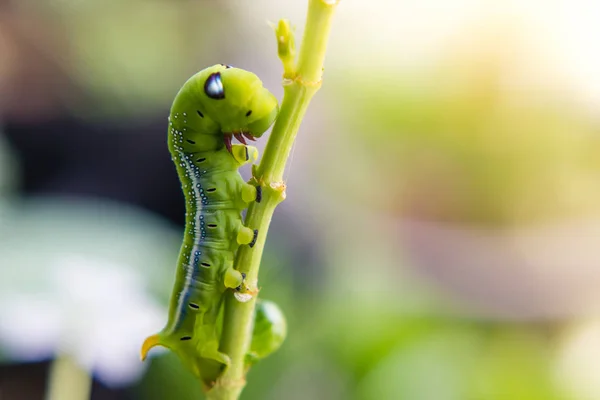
x=212 y=106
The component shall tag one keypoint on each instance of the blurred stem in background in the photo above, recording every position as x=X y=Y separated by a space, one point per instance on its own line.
x=301 y=82
x=67 y=380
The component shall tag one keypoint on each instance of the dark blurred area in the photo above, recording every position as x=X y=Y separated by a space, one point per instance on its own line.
x=72 y=157
x=60 y=151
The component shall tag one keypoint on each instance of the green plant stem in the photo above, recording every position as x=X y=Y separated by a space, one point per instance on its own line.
x=68 y=381
x=300 y=85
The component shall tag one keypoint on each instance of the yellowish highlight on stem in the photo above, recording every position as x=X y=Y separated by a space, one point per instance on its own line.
x=68 y=381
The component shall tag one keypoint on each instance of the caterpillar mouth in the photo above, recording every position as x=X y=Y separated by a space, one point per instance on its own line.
x=240 y=136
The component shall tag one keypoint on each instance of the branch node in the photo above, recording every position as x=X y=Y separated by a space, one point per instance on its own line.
x=310 y=84
x=230 y=383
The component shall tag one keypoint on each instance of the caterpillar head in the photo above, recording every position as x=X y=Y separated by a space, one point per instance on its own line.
x=228 y=101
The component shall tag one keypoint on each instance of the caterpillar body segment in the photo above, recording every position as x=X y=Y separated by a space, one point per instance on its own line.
x=216 y=104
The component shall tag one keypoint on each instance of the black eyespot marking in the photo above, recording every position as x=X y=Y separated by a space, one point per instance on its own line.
x=190 y=141
x=248 y=113
x=258 y=194
x=253 y=242
x=205 y=264
x=211 y=190
x=194 y=306
x=213 y=87
x=247 y=155
x=201 y=159
x=186 y=338
x=200 y=114
x=212 y=225
x=243 y=275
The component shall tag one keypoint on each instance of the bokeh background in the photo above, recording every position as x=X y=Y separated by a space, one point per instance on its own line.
x=440 y=237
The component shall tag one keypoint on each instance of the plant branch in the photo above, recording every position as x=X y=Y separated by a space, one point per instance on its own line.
x=300 y=81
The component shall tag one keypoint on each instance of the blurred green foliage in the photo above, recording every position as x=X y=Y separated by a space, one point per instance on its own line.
x=450 y=143
x=455 y=143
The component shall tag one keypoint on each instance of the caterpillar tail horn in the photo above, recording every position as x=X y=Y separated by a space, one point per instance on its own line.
x=150 y=342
